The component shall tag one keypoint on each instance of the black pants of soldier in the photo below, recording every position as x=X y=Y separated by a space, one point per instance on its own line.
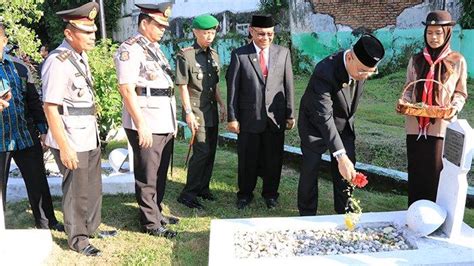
x=259 y=154
x=201 y=163
x=151 y=167
x=31 y=165
x=82 y=197
x=308 y=183
x=424 y=167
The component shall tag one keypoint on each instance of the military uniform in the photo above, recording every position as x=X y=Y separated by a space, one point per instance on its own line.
x=142 y=63
x=67 y=83
x=199 y=70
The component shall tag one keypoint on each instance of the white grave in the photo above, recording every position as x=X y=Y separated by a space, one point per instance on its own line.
x=452 y=189
x=434 y=249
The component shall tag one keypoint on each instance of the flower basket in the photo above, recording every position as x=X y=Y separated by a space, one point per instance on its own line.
x=422 y=109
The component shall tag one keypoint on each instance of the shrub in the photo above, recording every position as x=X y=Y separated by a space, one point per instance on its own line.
x=108 y=99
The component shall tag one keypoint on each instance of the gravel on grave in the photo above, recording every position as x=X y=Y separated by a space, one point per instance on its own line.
x=290 y=243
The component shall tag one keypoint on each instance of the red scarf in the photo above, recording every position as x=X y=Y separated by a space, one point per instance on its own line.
x=427 y=96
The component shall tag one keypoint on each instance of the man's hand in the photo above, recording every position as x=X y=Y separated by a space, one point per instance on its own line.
x=42 y=138
x=290 y=123
x=68 y=157
x=145 y=138
x=192 y=122
x=233 y=127
x=4 y=101
x=346 y=168
x=222 y=113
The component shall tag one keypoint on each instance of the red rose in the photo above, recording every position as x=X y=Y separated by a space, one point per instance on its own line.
x=360 y=180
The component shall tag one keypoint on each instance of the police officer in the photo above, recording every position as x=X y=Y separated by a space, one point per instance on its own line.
x=149 y=113
x=197 y=75
x=73 y=134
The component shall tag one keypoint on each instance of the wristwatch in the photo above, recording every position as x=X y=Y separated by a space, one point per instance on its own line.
x=339 y=156
x=187 y=110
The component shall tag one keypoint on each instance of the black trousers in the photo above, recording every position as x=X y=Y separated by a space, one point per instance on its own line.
x=259 y=154
x=424 y=167
x=308 y=183
x=82 y=197
x=201 y=163
x=151 y=167
x=31 y=165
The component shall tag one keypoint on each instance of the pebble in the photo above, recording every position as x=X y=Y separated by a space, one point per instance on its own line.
x=288 y=243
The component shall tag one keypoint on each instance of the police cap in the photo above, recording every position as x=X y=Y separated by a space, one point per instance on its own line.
x=159 y=12
x=81 y=17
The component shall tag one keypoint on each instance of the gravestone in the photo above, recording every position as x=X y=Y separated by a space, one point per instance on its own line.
x=452 y=189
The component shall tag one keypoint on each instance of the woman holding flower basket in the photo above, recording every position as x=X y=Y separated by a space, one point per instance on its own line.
x=435 y=91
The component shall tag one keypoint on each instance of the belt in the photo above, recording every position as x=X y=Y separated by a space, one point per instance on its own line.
x=157 y=91
x=78 y=110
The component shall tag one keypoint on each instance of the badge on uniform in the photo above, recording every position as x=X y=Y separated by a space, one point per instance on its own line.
x=124 y=56
x=80 y=93
x=200 y=75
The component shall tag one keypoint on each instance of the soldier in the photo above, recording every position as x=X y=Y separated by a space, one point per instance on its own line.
x=197 y=75
x=149 y=113
x=73 y=134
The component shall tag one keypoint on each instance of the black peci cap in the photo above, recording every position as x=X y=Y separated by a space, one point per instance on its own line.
x=262 y=21
x=369 y=50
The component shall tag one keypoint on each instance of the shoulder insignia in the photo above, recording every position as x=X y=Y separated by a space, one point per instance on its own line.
x=131 y=40
x=62 y=56
x=124 y=56
x=187 y=49
x=454 y=57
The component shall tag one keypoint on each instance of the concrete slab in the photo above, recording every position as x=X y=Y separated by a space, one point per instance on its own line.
x=434 y=249
x=111 y=184
x=25 y=247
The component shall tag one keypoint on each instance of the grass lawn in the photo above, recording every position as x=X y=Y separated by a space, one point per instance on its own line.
x=191 y=245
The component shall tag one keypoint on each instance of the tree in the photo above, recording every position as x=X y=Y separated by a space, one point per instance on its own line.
x=18 y=16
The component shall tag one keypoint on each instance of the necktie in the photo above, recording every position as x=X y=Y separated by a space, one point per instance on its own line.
x=352 y=88
x=263 y=66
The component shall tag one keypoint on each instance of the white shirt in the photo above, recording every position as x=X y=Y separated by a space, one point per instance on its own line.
x=265 y=53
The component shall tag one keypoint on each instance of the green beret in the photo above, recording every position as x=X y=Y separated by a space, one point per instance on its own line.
x=205 y=22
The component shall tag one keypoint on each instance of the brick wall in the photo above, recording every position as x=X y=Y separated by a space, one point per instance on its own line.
x=371 y=14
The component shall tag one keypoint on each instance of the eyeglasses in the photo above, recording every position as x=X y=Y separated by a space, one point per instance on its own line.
x=369 y=73
x=263 y=34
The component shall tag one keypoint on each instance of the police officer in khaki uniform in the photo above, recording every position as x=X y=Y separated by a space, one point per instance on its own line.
x=197 y=75
x=149 y=113
x=73 y=134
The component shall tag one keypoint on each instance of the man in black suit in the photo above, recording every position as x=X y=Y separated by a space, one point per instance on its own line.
x=326 y=120
x=260 y=96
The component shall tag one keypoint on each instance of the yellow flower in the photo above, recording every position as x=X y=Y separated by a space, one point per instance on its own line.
x=349 y=223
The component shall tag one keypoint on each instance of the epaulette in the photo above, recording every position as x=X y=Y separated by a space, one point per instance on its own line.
x=454 y=57
x=187 y=49
x=63 y=55
x=131 y=40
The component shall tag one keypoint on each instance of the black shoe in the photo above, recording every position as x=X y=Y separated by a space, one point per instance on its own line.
x=271 y=203
x=57 y=227
x=193 y=204
x=161 y=232
x=90 y=250
x=242 y=203
x=207 y=196
x=169 y=220
x=104 y=234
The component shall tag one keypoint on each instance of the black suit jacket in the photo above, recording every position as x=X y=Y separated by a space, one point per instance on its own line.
x=326 y=107
x=251 y=99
